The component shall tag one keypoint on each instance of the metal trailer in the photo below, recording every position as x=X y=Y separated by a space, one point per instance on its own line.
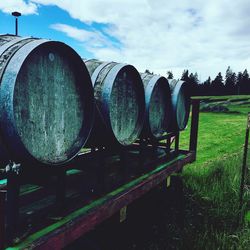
x=49 y=208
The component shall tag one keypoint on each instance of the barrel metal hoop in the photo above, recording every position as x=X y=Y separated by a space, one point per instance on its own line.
x=8 y=50
x=148 y=93
x=175 y=92
x=98 y=70
x=172 y=84
x=94 y=77
x=151 y=85
x=107 y=89
x=11 y=136
x=8 y=44
x=106 y=96
x=87 y=60
x=143 y=75
x=175 y=97
x=178 y=86
x=110 y=78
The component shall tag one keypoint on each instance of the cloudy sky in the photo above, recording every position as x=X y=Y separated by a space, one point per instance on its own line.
x=202 y=36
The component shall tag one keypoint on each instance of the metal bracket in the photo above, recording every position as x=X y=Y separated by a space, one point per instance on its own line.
x=13 y=167
x=123 y=214
x=168 y=181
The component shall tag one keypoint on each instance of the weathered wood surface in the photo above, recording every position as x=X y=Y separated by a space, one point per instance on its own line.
x=158 y=105
x=120 y=101
x=181 y=102
x=46 y=97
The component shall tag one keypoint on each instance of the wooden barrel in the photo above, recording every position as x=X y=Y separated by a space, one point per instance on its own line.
x=181 y=102
x=120 y=101
x=158 y=106
x=46 y=100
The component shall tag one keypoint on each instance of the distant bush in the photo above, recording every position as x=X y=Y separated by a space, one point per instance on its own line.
x=218 y=108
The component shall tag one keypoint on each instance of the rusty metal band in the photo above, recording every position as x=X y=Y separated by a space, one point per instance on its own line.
x=94 y=78
x=9 y=49
x=98 y=70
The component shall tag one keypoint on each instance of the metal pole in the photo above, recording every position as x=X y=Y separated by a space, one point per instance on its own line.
x=16 y=15
x=244 y=168
x=16 y=26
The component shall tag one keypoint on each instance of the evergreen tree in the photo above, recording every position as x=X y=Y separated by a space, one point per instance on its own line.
x=239 y=83
x=196 y=78
x=217 y=85
x=208 y=82
x=148 y=72
x=230 y=82
x=185 y=76
x=170 y=75
x=193 y=81
x=206 y=89
x=245 y=82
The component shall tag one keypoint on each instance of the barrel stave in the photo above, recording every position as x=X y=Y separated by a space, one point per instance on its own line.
x=120 y=101
x=158 y=106
x=181 y=103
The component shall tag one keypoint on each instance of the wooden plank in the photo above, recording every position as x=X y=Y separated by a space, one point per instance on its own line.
x=71 y=227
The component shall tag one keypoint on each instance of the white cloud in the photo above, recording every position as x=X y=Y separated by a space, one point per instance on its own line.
x=203 y=36
x=25 y=8
x=92 y=39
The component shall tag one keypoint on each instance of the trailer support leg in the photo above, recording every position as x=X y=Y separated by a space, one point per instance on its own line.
x=61 y=189
x=125 y=167
x=100 y=172
x=142 y=154
x=194 y=126
x=2 y=218
x=176 y=146
x=168 y=145
x=12 y=207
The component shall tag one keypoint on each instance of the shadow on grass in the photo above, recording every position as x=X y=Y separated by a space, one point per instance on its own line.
x=202 y=213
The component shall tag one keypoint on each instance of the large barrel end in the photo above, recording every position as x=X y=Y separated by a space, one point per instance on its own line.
x=181 y=100
x=127 y=104
x=47 y=103
x=158 y=106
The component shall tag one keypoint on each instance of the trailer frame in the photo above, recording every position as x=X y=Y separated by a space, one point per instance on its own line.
x=83 y=219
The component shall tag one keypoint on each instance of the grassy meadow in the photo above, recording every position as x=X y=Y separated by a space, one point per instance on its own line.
x=213 y=181
x=200 y=209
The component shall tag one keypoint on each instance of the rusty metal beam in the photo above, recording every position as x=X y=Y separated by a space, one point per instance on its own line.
x=194 y=125
x=57 y=237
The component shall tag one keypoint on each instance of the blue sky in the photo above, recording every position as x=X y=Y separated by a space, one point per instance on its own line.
x=202 y=36
x=39 y=25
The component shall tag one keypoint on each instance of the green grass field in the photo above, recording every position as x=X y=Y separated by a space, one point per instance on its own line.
x=213 y=180
x=200 y=208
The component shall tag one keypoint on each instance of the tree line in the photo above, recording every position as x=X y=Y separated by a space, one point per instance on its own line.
x=231 y=84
